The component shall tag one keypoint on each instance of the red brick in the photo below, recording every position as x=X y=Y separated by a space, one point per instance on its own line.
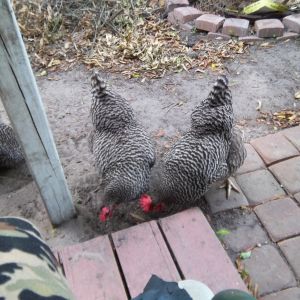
x=235 y=27
x=259 y=186
x=172 y=4
x=218 y=36
x=274 y=147
x=288 y=36
x=292 y=22
x=293 y=135
x=280 y=218
x=288 y=174
x=291 y=250
x=288 y=294
x=209 y=22
x=186 y=14
x=269 y=271
x=252 y=162
x=268 y=28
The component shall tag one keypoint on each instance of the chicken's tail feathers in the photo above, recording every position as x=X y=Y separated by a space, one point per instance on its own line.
x=97 y=82
x=221 y=83
x=220 y=93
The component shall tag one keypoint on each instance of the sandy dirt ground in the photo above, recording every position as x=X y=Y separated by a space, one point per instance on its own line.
x=269 y=75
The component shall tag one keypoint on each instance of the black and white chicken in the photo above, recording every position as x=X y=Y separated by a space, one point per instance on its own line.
x=210 y=151
x=11 y=154
x=123 y=152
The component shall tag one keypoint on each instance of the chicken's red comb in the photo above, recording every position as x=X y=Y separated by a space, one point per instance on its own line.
x=146 y=203
x=105 y=212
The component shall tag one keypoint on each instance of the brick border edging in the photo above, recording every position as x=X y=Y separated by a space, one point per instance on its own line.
x=220 y=28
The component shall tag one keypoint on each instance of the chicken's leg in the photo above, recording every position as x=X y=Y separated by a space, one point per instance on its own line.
x=229 y=185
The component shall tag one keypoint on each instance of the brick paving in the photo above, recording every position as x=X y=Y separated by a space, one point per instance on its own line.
x=253 y=161
x=291 y=250
x=280 y=218
x=215 y=199
x=269 y=182
x=259 y=186
x=274 y=147
x=269 y=270
x=288 y=294
x=288 y=173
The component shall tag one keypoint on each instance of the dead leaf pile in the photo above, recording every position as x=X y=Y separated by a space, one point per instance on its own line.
x=125 y=36
x=280 y=120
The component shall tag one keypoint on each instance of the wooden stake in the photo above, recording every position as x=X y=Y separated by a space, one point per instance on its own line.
x=23 y=104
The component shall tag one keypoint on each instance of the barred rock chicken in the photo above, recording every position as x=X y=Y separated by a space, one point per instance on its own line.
x=210 y=151
x=10 y=151
x=123 y=152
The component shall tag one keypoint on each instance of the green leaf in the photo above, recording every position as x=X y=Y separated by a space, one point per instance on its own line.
x=222 y=232
x=245 y=255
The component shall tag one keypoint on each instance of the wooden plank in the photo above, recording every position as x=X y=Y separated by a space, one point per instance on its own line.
x=23 y=104
x=91 y=270
x=198 y=251
x=143 y=252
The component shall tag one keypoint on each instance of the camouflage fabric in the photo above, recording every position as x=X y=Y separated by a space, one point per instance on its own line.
x=28 y=268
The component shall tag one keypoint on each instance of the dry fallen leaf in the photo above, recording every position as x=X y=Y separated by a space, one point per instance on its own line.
x=297 y=95
x=160 y=133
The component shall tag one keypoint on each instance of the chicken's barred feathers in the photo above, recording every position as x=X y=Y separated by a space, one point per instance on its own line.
x=123 y=152
x=10 y=151
x=208 y=152
x=109 y=110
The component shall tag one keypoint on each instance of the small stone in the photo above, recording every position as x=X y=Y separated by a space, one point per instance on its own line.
x=185 y=14
x=292 y=22
x=216 y=198
x=288 y=174
x=280 y=218
x=274 y=147
x=259 y=186
x=291 y=250
x=288 y=36
x=250 y=39
x=209 y=22
x=268 y=270
x=218 y=36
x=235 y=27
x=288 y=294
x=268 y=28
x=172 y=4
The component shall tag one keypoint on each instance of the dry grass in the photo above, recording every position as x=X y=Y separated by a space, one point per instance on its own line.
x=126 y=36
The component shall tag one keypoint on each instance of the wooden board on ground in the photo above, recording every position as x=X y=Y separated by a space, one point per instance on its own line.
x=92 y=271
x=198 y=251
x=142 y=252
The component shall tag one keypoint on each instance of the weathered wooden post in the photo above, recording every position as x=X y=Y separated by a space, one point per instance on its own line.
x=23 y=104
